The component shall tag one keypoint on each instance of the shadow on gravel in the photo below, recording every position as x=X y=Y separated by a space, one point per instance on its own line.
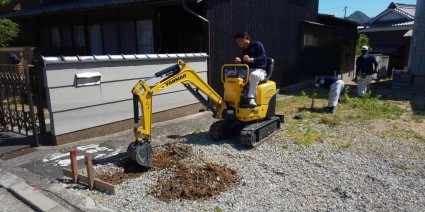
x=202 y=139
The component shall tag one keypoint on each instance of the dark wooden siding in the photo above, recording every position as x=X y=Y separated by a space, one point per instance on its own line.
x=275 y=23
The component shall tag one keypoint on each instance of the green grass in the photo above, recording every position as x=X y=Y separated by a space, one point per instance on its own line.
x=199 y=130
x=302 y=135
x=357 y=109
x=418 y=118
x=370 y=108
x=217 y=209
x=350 y=109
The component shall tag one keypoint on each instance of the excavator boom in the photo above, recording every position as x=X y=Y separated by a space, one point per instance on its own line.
x=141 y=150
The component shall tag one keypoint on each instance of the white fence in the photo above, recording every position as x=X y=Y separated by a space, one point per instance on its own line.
x=88 y=91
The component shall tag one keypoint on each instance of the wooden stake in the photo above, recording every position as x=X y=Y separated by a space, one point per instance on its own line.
x=74 y=165
x=97 y=183
x=89 y=166
x=314 y=93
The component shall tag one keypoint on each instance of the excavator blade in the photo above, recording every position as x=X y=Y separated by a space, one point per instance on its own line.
x=141 y=152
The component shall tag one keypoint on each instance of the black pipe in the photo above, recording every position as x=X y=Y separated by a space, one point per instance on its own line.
x=136 y=108
x=167 y=70
x=201 y=99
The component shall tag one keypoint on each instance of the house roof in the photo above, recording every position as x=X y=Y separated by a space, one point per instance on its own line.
x=82 y=5
x=407 y=9
x=395 y=13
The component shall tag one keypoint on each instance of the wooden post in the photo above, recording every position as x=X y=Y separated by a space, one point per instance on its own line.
x=314 y=93
x=342 y=74
x=89 y=166
x=74 y=165
x=27 y=59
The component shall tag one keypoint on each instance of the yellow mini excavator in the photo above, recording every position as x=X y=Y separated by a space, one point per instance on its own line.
x=233 y=112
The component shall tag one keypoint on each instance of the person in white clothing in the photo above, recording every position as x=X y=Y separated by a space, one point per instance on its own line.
x=335 y=86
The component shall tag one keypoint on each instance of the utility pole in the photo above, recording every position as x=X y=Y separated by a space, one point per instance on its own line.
x=345 y=11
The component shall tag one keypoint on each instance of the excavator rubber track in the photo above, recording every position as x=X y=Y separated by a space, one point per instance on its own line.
x=224 y=129
x=254 y=134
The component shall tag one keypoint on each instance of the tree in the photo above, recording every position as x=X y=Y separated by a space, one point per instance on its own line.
x=8 y=29
x=4 y=2
x=363 y=40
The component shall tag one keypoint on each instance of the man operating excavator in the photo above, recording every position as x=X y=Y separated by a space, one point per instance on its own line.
x=254 y=56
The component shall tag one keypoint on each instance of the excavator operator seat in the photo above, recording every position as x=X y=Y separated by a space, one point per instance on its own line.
x=269 y=69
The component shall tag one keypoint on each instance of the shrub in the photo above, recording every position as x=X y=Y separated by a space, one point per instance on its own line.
x=8 y=31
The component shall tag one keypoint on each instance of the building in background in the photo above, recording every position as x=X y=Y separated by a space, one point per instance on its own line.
x=389 y=33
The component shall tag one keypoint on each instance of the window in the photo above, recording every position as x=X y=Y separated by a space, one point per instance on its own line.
x=310 y=40
x=95 y=39
x=55 y=35
x=67 y=37
x=128 y=37
x=109 y=32
x=145 y=37
x=78 y=33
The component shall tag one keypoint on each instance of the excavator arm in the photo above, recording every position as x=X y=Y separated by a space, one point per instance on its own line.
x=180 y=73
x=140 y=150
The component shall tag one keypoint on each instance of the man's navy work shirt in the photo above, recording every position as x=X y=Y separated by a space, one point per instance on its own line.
x=365 y=64
x=256 y=50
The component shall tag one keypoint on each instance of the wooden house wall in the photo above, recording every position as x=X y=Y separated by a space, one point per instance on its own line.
x=275 y=23
x=345 y=36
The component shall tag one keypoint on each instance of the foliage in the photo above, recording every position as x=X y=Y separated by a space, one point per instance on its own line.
x=8 y=31
x=4 y=2
x=369 y=107
x=363 y=40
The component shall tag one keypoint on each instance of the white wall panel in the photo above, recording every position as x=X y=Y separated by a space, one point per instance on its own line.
x=75 y=108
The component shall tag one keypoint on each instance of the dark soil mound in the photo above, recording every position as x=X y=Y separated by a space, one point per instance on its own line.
x=189 y=181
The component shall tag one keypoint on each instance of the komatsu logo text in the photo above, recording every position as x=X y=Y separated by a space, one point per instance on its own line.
x=175 y=80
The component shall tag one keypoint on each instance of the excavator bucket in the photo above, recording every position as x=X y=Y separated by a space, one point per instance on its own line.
x=141 y=152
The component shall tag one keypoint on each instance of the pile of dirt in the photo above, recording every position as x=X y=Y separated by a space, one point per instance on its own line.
x=125 y=170
x=170 y=156
x=189 y=181
x=196 y=181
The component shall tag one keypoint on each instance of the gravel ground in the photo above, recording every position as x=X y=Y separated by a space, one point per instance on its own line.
x=352 y=168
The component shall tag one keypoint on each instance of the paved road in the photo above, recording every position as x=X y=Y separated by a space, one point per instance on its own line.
x=10 y=203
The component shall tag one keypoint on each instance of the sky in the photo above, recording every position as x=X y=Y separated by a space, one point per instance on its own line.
x=369 y=7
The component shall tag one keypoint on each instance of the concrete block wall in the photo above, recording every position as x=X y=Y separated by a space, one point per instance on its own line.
x=74 y=108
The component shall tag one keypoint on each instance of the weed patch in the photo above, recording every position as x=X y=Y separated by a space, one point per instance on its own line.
x=330 y=121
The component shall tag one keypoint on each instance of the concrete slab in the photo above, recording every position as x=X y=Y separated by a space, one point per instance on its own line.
x=10 y=203
x=32 y=197
x=7 y=180
x=58 y=208
x=27 y=194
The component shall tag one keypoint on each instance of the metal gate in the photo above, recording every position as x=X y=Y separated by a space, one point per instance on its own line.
x=21 y=108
